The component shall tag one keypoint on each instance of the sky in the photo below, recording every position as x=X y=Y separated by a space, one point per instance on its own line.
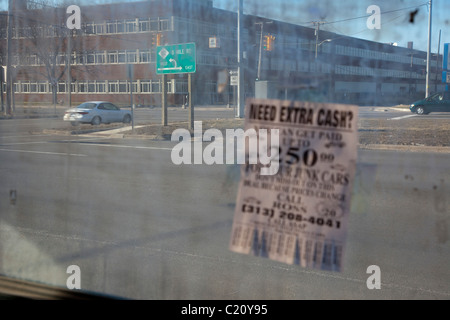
x=346 y=17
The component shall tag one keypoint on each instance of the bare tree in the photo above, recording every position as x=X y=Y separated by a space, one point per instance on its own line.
x=47 y=38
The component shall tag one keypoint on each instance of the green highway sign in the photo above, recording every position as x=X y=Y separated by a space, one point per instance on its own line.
x=176 y=58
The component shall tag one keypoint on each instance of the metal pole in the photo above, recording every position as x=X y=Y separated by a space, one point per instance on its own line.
x=260 y=49
x=69 y=69
x=130 y=73
x=191 y=105
x=8 y=57
x=427 y=91
x=163 y=100
x=437 y=62
x=1 y=87
x=240 y=90
x=317 y=38
x=132 y=104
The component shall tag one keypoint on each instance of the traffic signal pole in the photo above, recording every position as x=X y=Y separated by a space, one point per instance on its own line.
x=260 y=50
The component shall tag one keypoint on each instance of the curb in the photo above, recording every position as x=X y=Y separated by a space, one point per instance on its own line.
x=405 y=148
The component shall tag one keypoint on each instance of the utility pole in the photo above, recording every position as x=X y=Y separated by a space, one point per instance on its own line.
x=8 y=57
x=240 y=87
x=2 y=73
x=260 y=47
x=317 y=23
x=430 y=15
x=69 y=69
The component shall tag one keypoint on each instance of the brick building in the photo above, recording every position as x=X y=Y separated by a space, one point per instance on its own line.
x=299 y=65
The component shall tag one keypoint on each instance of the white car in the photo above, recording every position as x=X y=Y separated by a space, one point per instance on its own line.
x=96 y=112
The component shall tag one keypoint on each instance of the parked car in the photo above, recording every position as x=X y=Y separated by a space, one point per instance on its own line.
x=438 y=102
x=96 y=112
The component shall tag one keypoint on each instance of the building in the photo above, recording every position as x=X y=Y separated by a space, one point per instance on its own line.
x=280 y=60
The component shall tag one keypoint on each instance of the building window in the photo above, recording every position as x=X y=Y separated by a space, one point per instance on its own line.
x=25 y=87
x=145 y=86
x=164 y=25
x=131 y=57
x=89 y=28
x=62 y=87
x=123 y=86
x=82 y=87
x=100 y=87
x=42 y=87
x=120 y=27
x=144 y=25
x=130 y=26
x=100 y=58
x=121 y=57
x=111 y=27
x=155 y=86
x=112 y=57
x=90 y=58
x=91 y=87
x=99 y=28
x=145 y=56
x=113 y=86
x=154 y=25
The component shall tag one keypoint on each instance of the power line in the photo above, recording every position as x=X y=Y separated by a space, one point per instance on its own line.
x=384 y=12
x=305 y=24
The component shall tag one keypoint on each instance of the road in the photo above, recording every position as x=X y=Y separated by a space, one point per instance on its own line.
x=141 y=227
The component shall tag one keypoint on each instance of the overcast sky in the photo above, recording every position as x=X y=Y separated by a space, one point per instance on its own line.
x=347 y=17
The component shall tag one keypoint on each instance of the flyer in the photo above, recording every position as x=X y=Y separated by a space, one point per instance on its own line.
x=297 y=213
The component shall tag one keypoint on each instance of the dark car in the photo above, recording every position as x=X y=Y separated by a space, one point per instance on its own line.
x=438 y=102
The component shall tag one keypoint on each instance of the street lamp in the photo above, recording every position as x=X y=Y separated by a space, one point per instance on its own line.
x=320 y=43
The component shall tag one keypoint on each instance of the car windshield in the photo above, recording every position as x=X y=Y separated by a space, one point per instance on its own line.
x=261 y=150
x=87 y=105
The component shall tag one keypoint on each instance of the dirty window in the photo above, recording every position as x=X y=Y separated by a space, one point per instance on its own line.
x=140 y=204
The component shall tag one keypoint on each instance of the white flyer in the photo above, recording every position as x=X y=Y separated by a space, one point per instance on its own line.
x=297 y=213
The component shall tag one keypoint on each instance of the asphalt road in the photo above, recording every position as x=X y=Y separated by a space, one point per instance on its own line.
x=141 y=227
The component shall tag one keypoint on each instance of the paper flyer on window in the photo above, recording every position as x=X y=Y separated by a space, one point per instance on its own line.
x=296 y=212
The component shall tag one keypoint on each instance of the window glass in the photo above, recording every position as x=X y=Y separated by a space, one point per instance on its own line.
x=142 y=203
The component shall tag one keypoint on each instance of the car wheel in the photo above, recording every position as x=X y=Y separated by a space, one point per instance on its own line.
x=420 y=110
x=127 y=119
x=96 y=121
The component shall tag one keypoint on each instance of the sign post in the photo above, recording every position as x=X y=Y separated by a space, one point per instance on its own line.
x=176 y=59
x=130 y=73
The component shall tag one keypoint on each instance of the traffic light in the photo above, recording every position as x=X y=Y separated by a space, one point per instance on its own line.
x=269 y=42
x=157 y=39
x=266 y=42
